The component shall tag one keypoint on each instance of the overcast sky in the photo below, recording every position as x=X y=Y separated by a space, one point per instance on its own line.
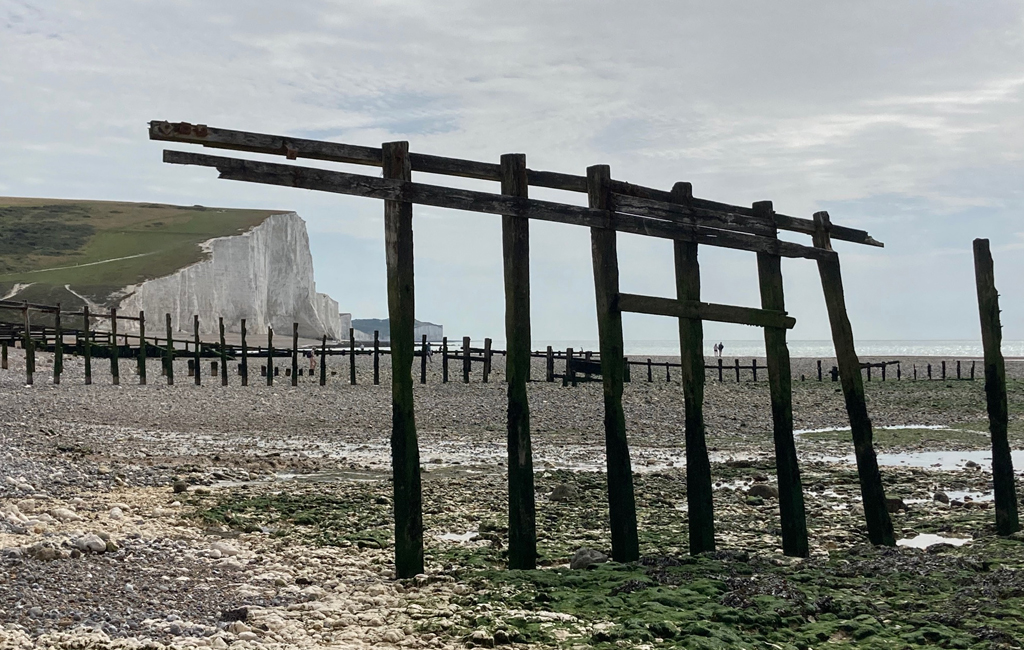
x=902 y=118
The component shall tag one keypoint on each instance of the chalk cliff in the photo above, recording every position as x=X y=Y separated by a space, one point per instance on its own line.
x=264 y=275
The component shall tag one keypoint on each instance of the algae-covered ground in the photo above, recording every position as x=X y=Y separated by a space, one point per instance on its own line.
x=745 y=595
x=98 y=247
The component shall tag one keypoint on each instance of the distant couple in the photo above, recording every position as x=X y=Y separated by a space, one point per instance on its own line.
x=718 y=349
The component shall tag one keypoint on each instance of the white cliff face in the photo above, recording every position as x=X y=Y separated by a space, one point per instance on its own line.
x=264 y=275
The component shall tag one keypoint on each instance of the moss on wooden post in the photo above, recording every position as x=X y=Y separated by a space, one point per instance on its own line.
x=873 y=494
x=515 y=233
x=405 y=455
x=1004 y=490
x=621 y=500
x=780 y=385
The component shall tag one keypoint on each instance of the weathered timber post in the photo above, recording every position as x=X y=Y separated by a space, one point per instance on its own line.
x=444 y=360
x=466 y=360
x=650 y=371
x=270 y=356
x=819 y=369
x=223 y=354
x=869 y=372
x=626 y=373
x=405 y=455
x=195 y=332
x=487 y=359
x=737 y=362
x=958 y=368
x=943 y=370
x=515 y=239
x=87 y=352
x=691 y=347
x=376 y=359
x=550 y=367
x=929 y=372
x=423 y=360
x=621 y=500
x=169 y=354
x=569 y=374
x=972 y=370
x=791 y=496
x=352 y=355
x=295 y=354
x=753 y=368
x=875 y=513
x=995 y=390
x=720 y=380
x=30 y=348
x=3 y=355
x=115 y=361
x=899 y=371
x=58 y=347
x=323 y=361
x=245 y=357
x=142 y=348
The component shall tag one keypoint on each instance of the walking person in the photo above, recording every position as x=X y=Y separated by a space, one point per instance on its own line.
x=721 y=347
x=716 y=350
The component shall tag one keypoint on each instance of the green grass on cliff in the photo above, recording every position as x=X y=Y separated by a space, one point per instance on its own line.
x=97 y=247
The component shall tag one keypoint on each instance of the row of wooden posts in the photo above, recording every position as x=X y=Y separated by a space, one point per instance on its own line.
x=613 y=206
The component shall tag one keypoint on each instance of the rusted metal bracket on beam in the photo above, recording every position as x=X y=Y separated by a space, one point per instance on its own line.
x=629 y=302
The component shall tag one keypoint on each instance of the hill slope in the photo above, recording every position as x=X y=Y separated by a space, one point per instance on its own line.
x=96 y=248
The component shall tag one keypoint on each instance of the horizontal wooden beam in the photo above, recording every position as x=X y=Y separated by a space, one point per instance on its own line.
x=705 y=311
x=293 y=148
x=679 y=213
x=474 y=201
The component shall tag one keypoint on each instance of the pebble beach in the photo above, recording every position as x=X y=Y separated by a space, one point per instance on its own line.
x=252 y=517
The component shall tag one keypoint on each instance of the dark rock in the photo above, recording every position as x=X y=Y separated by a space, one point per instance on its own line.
x=501 y=637
x=895 y=504
x=563 y=492
x=180 y=486
x=941 y=497
x=237 y=614
x=763 y=490
x=956 y=504
x=585 y=557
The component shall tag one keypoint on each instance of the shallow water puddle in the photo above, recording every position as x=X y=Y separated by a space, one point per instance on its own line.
x=924 y=540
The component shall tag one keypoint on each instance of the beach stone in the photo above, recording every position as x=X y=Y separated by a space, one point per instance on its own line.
x=91 y=544
x=116 y=514
x=481 y=638
x=179 y=487
x=65 y=515
x=393 y=636
x=764 y=491
x=585 y=557
x=895 y=504
x=941 y=497
x=563 y=492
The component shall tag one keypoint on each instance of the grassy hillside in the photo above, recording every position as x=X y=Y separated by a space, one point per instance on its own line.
x=98 y=247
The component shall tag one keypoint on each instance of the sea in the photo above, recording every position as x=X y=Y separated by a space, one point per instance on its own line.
x=797 y=349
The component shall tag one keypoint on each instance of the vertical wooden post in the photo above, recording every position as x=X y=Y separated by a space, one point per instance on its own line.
x=995 y=390
x=791 y=496
x=245 y=357
x=972 y=370
x=515 y=239
x=929 y=371
x=604 y=251
x=323 y=361
x=197 y=351
x=142 y=348
x=423 y=360
x=943 y=370
x=626 y=377
x=568 y=374
x=550 y=364
x=376 y=359
x=58 y=347
x=270 y=356
x=879 y=524
x=691 y=348
x=3 y=355
x=444 y=360
x=169 y=354
x=87 y=352
x=223 y=354
x=650 y=371
x=720 y=379
x=819 y=369
x=405 y=455
x=737 y=363
x=295 y=354
x=466 y=361
x=487 y=359
x=958 y=368
x=30 y=349
x=352 y=354
x=115 y=361
x=753 y=369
